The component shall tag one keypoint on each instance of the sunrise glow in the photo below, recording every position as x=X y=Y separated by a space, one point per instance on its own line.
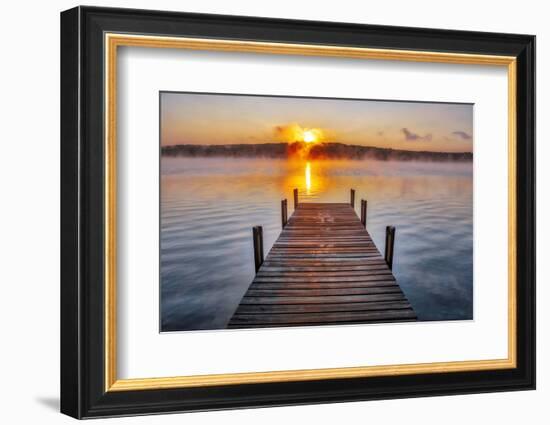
x=309 y=136
x=207 y=119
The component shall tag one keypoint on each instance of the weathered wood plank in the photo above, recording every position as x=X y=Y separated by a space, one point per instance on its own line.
x=327 y=271
x=320 y=285
x=355 y=316
x=336 y=299
x=321 y=278
x=320 y=308
x=322 y=269
x=314 y=292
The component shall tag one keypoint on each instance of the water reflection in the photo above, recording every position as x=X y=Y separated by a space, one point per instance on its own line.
x=208 y=207
x=308 y=177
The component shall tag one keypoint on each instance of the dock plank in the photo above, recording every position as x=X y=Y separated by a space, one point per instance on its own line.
x=323 y=269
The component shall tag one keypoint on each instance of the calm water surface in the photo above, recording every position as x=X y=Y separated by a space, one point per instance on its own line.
x=208 y=208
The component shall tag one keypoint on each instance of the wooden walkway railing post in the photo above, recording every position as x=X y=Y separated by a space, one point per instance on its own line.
x=284 y=213
x=388 y=251
x=364 y=212
x=295 y=199
x=352 y=197
x=258 y=240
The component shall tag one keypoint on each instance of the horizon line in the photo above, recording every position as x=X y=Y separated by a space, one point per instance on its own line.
x=315 y=144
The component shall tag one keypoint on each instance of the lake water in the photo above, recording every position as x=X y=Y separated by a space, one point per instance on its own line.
x=209 y=206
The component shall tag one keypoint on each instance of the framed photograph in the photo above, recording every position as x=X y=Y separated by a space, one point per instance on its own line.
x=261 y=212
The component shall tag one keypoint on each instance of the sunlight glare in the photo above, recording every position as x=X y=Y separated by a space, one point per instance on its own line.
x=309 y=136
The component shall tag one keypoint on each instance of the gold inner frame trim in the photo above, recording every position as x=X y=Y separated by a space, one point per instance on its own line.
x=113 y=41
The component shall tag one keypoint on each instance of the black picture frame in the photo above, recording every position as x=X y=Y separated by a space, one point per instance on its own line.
x=83 y=392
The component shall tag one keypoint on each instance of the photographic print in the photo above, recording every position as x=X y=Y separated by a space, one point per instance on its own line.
x=326 y=191
x=302 y=211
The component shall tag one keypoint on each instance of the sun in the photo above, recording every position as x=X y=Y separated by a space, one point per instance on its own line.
x=309 y=136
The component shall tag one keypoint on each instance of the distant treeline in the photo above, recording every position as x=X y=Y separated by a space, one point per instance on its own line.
x=316 y=151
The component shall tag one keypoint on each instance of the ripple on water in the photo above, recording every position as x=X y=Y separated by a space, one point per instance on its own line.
x=208 y=208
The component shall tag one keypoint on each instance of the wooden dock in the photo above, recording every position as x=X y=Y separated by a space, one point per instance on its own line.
x=323 y=269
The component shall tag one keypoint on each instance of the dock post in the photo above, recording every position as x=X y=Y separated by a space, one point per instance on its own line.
x=258 y=239
x=364 y=212
x=284 y=213
x=295 y=199
x=352 y=197
x=388 y=252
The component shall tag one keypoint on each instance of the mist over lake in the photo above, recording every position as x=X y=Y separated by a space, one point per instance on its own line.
x=209 y=205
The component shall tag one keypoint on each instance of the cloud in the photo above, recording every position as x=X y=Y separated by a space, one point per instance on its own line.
x=295 y=133
x=412 y=137
x=463 y=135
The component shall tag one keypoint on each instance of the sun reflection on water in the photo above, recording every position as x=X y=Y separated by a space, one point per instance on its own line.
x=308 y=178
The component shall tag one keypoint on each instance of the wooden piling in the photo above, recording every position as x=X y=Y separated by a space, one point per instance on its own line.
x=364 y=212
x=352 y=197
x=284 y=213
x=390 y=240
x=258 y=240
x=295 y=199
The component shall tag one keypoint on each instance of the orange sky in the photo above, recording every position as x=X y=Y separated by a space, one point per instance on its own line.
x=194 y=118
